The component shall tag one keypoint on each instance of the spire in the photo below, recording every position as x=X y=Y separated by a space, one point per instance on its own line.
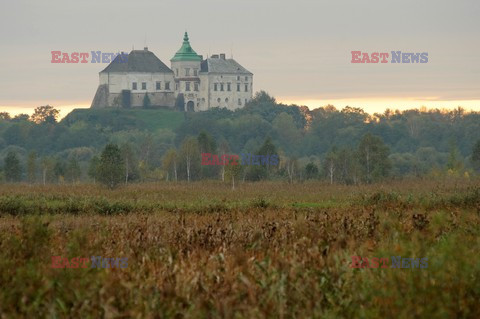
x=186 y=53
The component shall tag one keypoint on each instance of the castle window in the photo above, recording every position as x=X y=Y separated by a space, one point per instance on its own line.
x=238 y=87
x=218 y=100
x=238 y=77
x=239 y=101
x=226 y=100
x=134 y=85
x=144 y=85
x=187 y=86
x=246 y=87
x=195 y=72
x=167 y=85
x=176 y=71
x=221 y=86
x=215 y=87
x=195 y=86
x=158 y=85
x=246 y=101
x=176 y=86
x=246 y=78
x=187 y=72
x=229 y=87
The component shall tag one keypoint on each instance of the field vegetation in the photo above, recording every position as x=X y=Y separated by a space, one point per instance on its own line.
x=266 y=249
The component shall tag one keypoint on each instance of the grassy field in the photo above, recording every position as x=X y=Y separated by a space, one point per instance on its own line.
x=273 y=250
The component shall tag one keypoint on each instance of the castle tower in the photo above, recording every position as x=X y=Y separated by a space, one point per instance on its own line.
x=186 y=67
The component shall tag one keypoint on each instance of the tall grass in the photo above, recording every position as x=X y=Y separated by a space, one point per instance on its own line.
x=265 y=250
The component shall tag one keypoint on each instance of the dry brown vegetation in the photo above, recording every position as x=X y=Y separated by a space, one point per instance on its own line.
x=274 y=250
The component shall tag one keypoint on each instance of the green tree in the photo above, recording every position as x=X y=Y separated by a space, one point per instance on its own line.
x=130 y=162
x=264 y=170
x=373 y=158
x=45 y=114
x=21 y=117
x=117 y=101
x=262 y=97
x=93 y=168
x=255 y=173
x=145 y=153
x=12 y=168
x=169 y=163
x=59 y=170
x=32 y=167
x=146 y=101
x=476 y=156
x=286 y=132
x=207 y=144
x=311 y=171
x=73 y=170
x=126 y=98
x=233 y=172
x=16 y=134
x=180 y=102
x=110 y=170
x=268 y=149
x=347 y=166
x=454 y=164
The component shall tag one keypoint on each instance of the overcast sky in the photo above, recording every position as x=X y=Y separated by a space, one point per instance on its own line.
x=299 y=51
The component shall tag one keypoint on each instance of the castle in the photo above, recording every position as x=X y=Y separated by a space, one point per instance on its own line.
x=191 y=84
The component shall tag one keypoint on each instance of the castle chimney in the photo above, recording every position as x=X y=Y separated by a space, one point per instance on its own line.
x=145 y=48
x=222 y=56
x=214 y=56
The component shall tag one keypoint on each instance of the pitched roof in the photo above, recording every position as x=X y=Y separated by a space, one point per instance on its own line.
x=186 y=53
x=221 y=65
x=138 y=61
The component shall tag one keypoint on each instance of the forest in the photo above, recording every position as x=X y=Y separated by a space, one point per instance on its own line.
x=347 y=145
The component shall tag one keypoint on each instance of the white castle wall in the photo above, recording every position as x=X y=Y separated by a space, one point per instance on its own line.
x=229 y=99
x=205 y=98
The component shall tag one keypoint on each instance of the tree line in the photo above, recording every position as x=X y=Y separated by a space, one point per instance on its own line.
x=340 y=146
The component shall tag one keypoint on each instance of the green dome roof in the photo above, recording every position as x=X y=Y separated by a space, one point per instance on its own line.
x=186 y=53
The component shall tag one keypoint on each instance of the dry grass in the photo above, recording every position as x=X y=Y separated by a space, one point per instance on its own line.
x=274 y=250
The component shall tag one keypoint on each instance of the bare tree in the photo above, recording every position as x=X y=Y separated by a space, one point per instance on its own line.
x=189 y=151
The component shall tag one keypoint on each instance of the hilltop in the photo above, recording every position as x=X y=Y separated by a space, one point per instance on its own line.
x=127 y=119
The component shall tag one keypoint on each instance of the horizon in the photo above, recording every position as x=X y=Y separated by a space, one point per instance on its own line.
x=368 y=106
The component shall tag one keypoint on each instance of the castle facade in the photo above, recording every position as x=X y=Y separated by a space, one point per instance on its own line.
x=191 y=84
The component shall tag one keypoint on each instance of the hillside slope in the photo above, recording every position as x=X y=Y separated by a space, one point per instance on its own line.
x=124 y=119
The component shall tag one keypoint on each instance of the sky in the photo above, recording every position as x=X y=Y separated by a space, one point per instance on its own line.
x=299 y=51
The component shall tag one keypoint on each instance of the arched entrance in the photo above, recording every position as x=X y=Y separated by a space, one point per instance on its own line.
x=190 y=106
